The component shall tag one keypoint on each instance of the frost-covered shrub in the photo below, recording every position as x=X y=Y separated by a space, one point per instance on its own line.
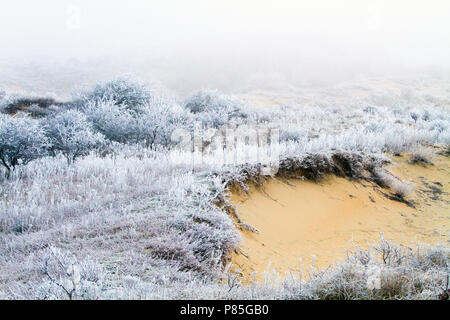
x=126 y=91
x=21 y=140
x=415 y=116
x=426 y=116
x=370 y=110
x=158 y=121
x=374 y=127
x=215 y=108
x=204 y=100
x=153 y=125
x=291 y=135
x=439 y=126
x=71 y=134
x=68 y=278
x=114 y=121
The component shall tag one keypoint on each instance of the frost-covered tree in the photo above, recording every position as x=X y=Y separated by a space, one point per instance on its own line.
x=125 y=91
x=21 y=140
x=72 y=134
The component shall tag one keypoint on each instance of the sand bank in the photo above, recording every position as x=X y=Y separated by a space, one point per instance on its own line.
x=318 y=222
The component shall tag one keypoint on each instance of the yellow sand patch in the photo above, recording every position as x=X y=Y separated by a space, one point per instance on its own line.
x=324 y=219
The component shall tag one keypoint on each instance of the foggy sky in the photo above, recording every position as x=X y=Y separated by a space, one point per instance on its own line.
x=199 y=37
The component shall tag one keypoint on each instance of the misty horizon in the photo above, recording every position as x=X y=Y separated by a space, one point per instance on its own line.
x=228 y=45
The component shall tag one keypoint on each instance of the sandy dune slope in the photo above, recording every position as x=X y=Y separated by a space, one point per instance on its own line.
x=317 y=222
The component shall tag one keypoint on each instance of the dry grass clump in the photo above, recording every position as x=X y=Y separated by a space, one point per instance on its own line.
x=422 y=155
x=401 y=189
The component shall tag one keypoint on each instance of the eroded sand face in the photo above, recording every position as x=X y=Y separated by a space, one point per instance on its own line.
x=324 y=219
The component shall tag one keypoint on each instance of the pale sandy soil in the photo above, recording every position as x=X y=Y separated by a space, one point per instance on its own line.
x=324 y=219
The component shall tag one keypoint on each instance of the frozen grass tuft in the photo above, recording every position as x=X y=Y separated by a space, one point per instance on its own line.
x=401 y=189
x=422 y=155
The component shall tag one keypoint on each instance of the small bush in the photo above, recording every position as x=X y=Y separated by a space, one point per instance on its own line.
x=422 y=156
x=415 y=116
x=68 y=278
x=215 y=108
x=370 y=109
x=126 y=91
x=292 y=135
x=374 y=127
x=153 y=125
x=114 y=121
x=403 y=189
